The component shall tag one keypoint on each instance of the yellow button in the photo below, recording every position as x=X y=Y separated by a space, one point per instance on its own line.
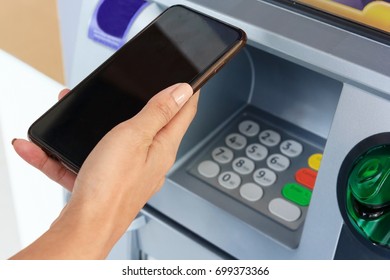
x=315 y=161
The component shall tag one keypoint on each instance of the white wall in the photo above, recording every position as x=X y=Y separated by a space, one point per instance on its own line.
x=29 y=201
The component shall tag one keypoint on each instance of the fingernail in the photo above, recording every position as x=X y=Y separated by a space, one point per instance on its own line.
x=182 y=93
x=13 y=140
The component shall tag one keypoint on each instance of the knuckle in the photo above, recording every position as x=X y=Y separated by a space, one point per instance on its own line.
x=164 y=111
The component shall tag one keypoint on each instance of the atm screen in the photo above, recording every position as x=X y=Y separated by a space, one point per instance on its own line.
x=371 y=13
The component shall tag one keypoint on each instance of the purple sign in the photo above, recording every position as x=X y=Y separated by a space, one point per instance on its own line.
x=112 y=20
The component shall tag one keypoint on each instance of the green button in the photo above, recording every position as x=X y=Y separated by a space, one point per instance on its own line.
x=297 y=193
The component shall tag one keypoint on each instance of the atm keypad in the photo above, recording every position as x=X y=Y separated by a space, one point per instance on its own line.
x=263 y=166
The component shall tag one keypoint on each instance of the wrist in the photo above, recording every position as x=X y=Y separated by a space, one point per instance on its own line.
x=76 y=234
x=86 y=232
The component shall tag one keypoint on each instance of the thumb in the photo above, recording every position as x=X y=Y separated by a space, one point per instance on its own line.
x=162 y=107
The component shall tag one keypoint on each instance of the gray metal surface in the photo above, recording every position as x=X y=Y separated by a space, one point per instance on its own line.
x=155 y=240
x=359 y=114
x=330 y=50
x=311 y=145
x=294 y=93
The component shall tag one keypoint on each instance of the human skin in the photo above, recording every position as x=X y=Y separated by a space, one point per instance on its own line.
x=125 y=169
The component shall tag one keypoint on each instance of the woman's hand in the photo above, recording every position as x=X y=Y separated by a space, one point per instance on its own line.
x=118 y=177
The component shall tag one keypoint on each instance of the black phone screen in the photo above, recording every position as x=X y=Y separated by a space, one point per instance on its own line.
x=177 y=47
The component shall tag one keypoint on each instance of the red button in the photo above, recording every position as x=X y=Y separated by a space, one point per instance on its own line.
x=306 y=177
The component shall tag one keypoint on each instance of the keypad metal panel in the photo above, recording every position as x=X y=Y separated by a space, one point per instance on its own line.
x=258 y=156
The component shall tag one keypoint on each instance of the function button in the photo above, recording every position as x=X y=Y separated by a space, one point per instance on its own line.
x=249 y=128
x=314 y=161
x=229 y=180
x=306 y=177
x=256 y=151
x=278 y=162
x=208 y=169
x=243 y=165
x=284 y=209
x=296 y=193
x=235 y=141
x=251 y=191
x=291 y=148
x=269 y=138
x=264 y=177
x=222 y=155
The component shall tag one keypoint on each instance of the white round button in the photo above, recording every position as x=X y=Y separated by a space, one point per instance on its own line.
x=208 y=169
x=243 y=165
x=291 y=148
x=235 y=141
x=278 y=162
x=264 y=177
x=222 y=155
x=249 y=128
x=256 y=151
x=284 y=209
x=269 y=138
x=251 y=192
x=229 y=180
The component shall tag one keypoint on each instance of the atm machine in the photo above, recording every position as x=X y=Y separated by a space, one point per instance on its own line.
x=288 y=156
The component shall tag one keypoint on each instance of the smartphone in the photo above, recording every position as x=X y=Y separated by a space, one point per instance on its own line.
x=180 y=45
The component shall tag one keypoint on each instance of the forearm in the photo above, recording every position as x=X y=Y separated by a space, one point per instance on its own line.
x=63 y=244
x=75 y=235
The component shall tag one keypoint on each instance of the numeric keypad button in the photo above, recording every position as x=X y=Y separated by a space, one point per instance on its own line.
x=249 y=128
x=291 y=148
x=284 y=209
x=222 y=155
x=269 y=138
x=243 y=165
x=264 y=177
x=278 y=162
x=235 y=141
x=229 y=180
x=251 y=192
x=256 y=152
x=208 y=169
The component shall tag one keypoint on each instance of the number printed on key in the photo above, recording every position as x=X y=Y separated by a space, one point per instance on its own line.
x=256 y=152
x=264 y=177
x=235 y=141
x=243 y=165
x=269 y=138
x=222 y=155
x=278 y=162
x=229 y=180
x=249 y=128
x=291 y=148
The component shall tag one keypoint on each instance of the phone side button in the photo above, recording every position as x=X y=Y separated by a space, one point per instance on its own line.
x=219 y=67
